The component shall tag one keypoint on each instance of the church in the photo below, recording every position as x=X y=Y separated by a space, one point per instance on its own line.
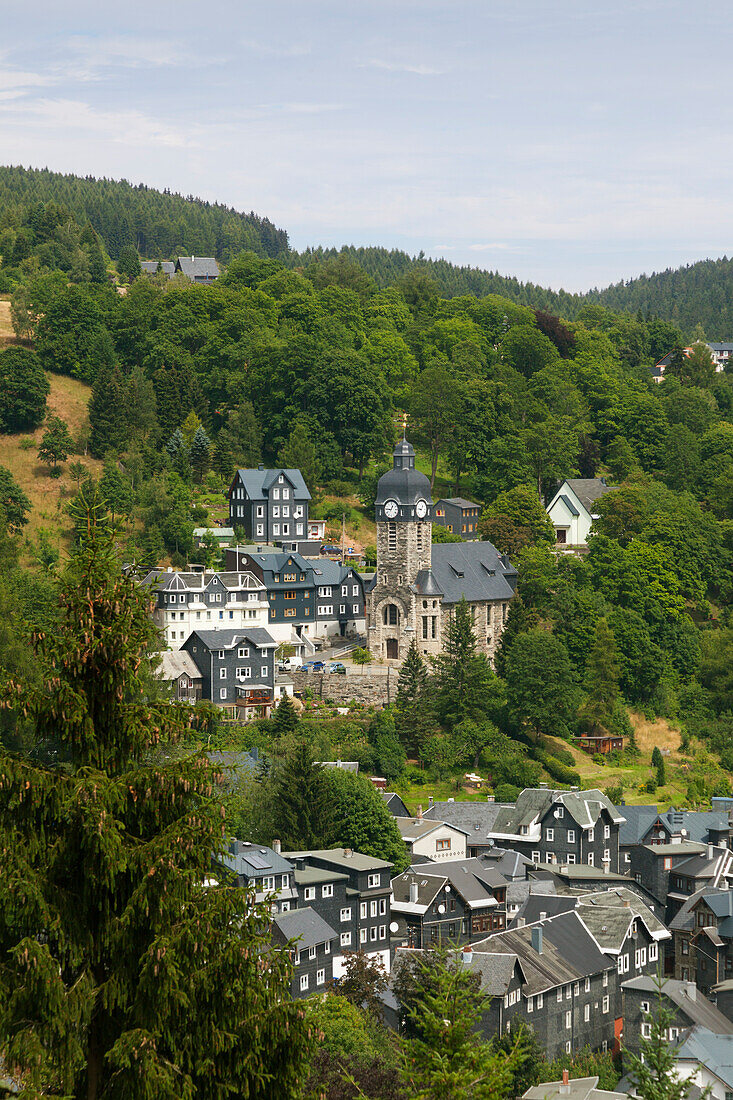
x=417 y=584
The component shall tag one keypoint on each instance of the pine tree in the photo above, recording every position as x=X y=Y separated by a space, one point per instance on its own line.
x=301 y=802
x=285 y=719
x=56 y=442
x=108 y=423
x=464 y=682
x=413 y=714
x=601 y=678
x=121 y=972
x=658 y=763
x=199 y=454
x=299 y=453
x=222 y=458
x=653 y=1071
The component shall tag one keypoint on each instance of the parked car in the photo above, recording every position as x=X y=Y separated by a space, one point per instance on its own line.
x=336 y=666
x=314 y=666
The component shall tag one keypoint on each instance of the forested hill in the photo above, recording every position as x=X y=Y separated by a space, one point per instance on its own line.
x=156 y=223
x=701 y=293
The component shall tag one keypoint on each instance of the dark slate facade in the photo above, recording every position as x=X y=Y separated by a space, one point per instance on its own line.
x=683 y=999
x=703 y=939
x=561 y=827
x=263 y=870
x=271 y=505
x=653 y=864
x=459 y=516
x=315 y=946
x=456 y=901
x=234 y=664
x=358 y=905
x=317 y=597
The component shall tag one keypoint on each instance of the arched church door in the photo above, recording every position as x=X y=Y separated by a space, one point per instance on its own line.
x=393 y=649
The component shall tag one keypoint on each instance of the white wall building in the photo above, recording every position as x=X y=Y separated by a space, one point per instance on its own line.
x=572 y=509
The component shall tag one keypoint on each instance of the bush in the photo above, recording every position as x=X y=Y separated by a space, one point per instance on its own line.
x=506 y=792
x=199 y=514
x=338 y=488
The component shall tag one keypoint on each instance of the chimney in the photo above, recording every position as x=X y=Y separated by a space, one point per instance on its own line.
x=626 y=903
x=691 y=990
x=348 y=853
x=543 y=916
x=261 y=466
x=467 y=954
x=565 y=1086
x=430 y=800
x=606 y=867
x=413 y=893
x=537 y=938
x=711 y=854
x=419 y=813
x=521 y=922
x=277 y=846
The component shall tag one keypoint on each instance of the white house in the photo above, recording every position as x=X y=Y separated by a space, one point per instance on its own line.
x=572 y=509
x=707 y=1059
x=185 y=602
x=432 y=840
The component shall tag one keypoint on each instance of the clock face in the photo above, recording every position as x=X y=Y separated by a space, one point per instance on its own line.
x=422 y=509
x=391 y=509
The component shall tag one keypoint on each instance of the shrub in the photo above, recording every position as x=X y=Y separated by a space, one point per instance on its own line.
x=506 y=792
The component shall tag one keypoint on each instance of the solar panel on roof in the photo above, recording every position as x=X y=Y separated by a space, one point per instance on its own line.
x=258 y=861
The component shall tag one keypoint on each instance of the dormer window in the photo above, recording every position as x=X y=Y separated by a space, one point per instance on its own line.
x=281 y=479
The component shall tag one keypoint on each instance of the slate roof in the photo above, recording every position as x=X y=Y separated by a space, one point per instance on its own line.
x=254 y=860
x=470 y=878
x=305 y=926
x=403 y=482
x=686 y=996
x=474 y=570
x=568 y=504
x=257 y=483
x=169 y=580
x=568 y=952
x=549 y=904
x=588 y=490
x=699 y=866
x=151 y=266
x=357 y=861
x=228 y=639
x=198 y=267
x=426 y=583
x=175 y=663
x=459 y=502
x=534 y=802
x=578 y=1088
x=314 y=876
x=326 y=571
x=695 y=824
x=395 y=805
x=684 y=919
x=715 y=1052
x=609 y=914
x=415 y=828
x=475 y=818
x=496 y=970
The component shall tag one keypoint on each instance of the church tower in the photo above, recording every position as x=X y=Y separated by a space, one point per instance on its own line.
x=404 y=515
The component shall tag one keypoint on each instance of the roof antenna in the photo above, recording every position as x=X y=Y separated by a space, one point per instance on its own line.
x=404 y=427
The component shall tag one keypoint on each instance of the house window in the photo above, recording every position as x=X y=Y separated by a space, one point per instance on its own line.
x=568 y=1019
x=646 y=1031
x=320 y=977
x=221 y=654
x=605 y=979
x=374 y=880
x=285 y=881
x=345 y=914
x=576 y=989
x=373 y=932
x=568 y=992
x=373 y=908
x=549 y=834
x=342 y=609
x=559 y=994
x=303 y=982
x=363 y=910
x=591 y=835
x=276 y=528
x=653 y=952
x=327 y=890
x=606 y=832
x=571 y=836
x=590 y=859
x=243 y=652
x=346 y=939
x=530 y=1004
x=260 y=511
x=222 y=674
x=535 y=857
x=383 y=906
x=263 y=671
x=362 y=935
x=260 y=528
x=540 y=1000
x=645 y=1007
x=311 y=952
x=309 y=893
x=327 y=947
x=586 y=1014
x=222 y=693
x=568 y=1047
x=355 y=590
x=587 y=985
x=383 y=931
x=443 y=845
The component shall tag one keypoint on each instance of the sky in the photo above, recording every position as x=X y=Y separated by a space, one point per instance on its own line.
x=572 y=143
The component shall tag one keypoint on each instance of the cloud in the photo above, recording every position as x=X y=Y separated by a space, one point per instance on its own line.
x=85 y=57
x=128 y=127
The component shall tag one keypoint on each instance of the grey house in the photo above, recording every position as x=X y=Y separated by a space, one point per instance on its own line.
x=457 y=901
x=703 y=939
x=271 y=505
x=459 y=516
x=562 y=827
x=352 y=892
x=683 y=999
x=237 y=668
x=152 y=267
x=263 y=870
x=199 y=269
x=179 y=672
x=314 y=948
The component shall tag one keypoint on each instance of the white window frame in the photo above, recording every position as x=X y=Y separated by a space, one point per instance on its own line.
x=363 y=910
x=320 y=977
x=303 y=982
x=346 y=939
x=345 y=914
x=327 y=890
x=373 y=881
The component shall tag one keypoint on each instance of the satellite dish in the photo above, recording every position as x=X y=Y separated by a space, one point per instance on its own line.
x=441 y=908
x=447 y=889
x=394 y=926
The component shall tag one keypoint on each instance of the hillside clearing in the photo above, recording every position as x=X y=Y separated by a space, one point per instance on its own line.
x=19 y=454
x=7 y=334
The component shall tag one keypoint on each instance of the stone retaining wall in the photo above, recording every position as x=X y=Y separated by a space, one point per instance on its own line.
x=372 y=688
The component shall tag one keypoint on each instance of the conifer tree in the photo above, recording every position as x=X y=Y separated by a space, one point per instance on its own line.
x=222 y=457
x=601 y=677
x=413 y=713
x=108 y=426
x=658 y=763
x=301 y=805
x=199 y=454
x=285 y=719
x=121 y=973
x=465 y=684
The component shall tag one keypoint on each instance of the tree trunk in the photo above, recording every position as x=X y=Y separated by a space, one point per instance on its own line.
x=434 y=461
x=95 y=1060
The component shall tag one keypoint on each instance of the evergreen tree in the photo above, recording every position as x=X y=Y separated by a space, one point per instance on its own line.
x=128 y=263
x=56 y=442
x=464 y=682
x=222 y=458
x=658 y=763
x=108 y=412
x=153 y=547
x=601 y=677
x=121 y=972
x=116 y=491
x=285 y=719
x=299 y=453
x=246 y=434
x=413 y=713
x=301 y=806
x=199 y=454
x=14 y=504
x=653 y=1071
